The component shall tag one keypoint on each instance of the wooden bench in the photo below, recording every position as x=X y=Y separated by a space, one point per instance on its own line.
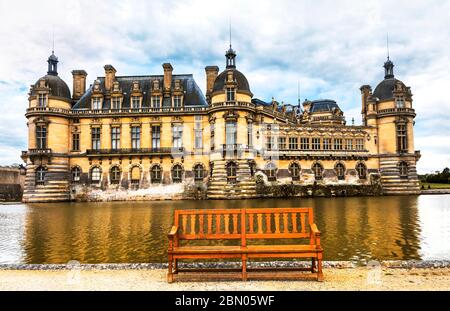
x=290 y=227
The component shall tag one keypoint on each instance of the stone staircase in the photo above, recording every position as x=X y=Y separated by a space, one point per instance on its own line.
x=391 y=181
x=243 y=188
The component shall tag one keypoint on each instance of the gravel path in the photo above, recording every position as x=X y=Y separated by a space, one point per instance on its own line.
x=360 y=278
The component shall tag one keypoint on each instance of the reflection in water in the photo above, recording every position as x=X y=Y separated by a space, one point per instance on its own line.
x=382 y=228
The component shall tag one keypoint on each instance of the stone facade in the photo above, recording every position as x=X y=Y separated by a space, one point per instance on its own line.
x=158 y=137
x=12 y=180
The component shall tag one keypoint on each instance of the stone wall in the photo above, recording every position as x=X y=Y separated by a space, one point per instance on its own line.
x=11 y=183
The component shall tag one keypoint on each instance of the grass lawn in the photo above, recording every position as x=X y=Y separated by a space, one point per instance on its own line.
x=435 y=186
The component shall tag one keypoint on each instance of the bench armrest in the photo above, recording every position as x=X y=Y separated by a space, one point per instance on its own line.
x=315 y=235
x=173 y=232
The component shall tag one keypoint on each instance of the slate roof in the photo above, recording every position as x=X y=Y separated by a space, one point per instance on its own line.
x=385 y=89
x=57 y=86
x=193 y=96
x=323 y=105
x=242 y=82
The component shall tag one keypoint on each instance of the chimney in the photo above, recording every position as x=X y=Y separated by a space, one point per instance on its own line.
x=211 y=75
x=167 y=76
x=79 y=83
x=110 y=76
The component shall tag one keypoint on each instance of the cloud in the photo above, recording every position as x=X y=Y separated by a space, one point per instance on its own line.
x=331 y=47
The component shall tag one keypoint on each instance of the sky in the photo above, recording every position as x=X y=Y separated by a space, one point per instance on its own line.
x=330 y=47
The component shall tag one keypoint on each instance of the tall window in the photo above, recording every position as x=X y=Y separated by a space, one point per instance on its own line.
x=317 y=170
x=135 y=137
x=177 y=173
x=75 y=141
x=177 y=101
x=114 y=175
x=271 y=171
x=361 y=170
x=198 y=132
x=231 y=94
x=40 y=175
x=316 y=143
x=282 y=143
x=359 y=144
x=115 y=102
x=327 y=144
x=250 y=135
x=269 y=142
x=41 y=137
x=135 y=175
x=96 y=175
x=231 y=133
x=156 y=101
x=199 y=172
x=304 y=143
x=340 y=171
x=177 y=136
x=96 y=103
x=401 y=138
x=95 y=137
x=294 y=169
x=403 y=169
x=349 y=144
x=212 y=140
x=76 y=174
x=155 y=174
x=293 y=143
x=338 y=144
x=42 y=100
x=231 y=172
x=115 y=138
x=156 y=136
x=135 y=102
x=400 y=102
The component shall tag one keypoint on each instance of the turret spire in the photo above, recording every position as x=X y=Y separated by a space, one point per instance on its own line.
x=231 y=55
x=388 y=65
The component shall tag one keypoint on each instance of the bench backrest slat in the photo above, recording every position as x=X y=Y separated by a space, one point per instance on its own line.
x=276 y=223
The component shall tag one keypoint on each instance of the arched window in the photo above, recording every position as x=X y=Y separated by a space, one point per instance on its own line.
x=271 y=172
x=96 y=174
x=155 y=174
x=294 y=169
x=317 y=170
x=40 y=175
x=76 y=174
x=403 y=169
x=340 y=171
x=231 y=172
x=177 y=173
x=115 y=175
x=362 y=171
x=135 y=175
x=199 y=172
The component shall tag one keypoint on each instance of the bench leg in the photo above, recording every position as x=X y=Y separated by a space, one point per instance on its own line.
x=244 y=268
x=170 y=272
x=175 y=266
x=313 y=265
x=319 y=268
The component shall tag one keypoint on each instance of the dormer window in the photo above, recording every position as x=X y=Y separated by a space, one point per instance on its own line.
x=177 y=84
x=115 y=102
x=42 y=100
x=135 y=102
x=231 y=94
x=177 y=101
x=135 y=86
x=156 y=101
x=96 y=103
x=156 y=85
x=400 y=102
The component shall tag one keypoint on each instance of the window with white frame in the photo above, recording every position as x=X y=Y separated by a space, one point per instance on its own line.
x=135 y=137
x=231 y=94
x=135 y=102
x=177 y=136
x=359 y=144
x=42 y=100
x=338 y=144
x=96 y=103
x=316 y=143
x=400 y=102
x=177 y=101
x=327 y=144
x=115 y=102
x=293 y=143
x=95 y=138
x=115 y=138
x=41 y=137
x=76 y=174
x=198 y=132
x=96 y=175
x=304 y=143
x=156 y=101
x=349 y=144
x=282 y=143
x=156 y=136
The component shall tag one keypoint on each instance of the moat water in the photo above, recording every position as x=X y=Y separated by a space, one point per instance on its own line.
x=357 y=229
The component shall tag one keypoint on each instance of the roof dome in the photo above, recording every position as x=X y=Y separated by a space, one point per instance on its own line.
x=385 y=89
x=241 y=80
x=57 y=86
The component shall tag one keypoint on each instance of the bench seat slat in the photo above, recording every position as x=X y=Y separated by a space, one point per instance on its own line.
x=219 y=249
x=277 y=235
